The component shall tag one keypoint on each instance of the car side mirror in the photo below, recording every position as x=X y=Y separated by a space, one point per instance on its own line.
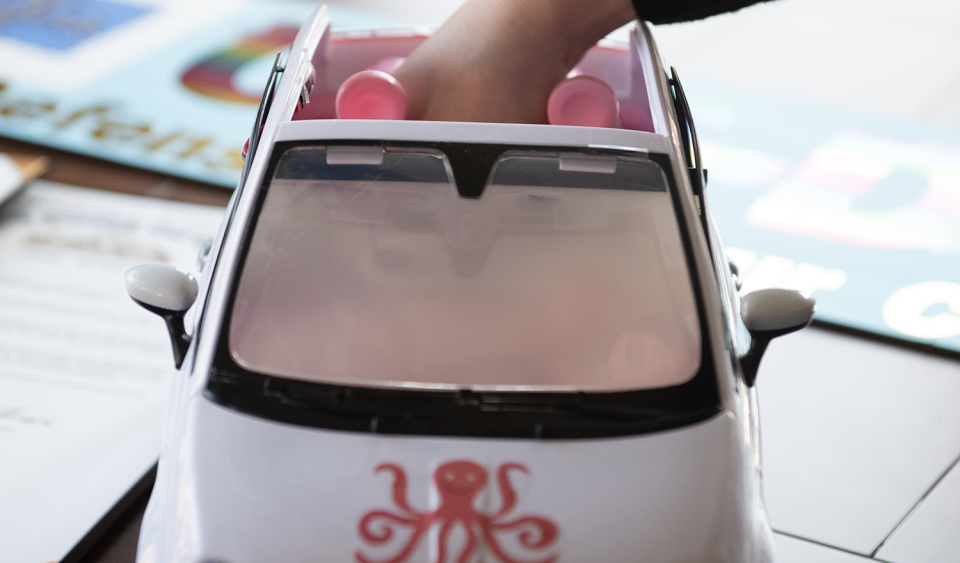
x=735 y=274
x=166 y=291
x=767 y=314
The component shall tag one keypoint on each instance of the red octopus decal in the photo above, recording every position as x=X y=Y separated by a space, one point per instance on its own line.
x=458 y=482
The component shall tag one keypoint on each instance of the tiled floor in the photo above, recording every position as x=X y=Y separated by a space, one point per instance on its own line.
x=930 y=533
x=854 y=435
x=793 y=550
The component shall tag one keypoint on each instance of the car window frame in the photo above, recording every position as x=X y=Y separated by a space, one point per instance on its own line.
x=521 y=414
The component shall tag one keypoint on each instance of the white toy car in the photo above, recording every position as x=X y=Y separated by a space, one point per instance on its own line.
x=463 y=342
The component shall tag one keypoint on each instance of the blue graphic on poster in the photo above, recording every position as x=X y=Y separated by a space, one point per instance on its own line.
x=62 y=24
x=862 y=212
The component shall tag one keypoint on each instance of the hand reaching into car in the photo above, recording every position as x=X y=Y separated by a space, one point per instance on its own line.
x=498 y=60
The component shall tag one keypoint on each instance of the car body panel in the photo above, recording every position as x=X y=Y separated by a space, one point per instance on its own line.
x=233 y=487
x=259 y=490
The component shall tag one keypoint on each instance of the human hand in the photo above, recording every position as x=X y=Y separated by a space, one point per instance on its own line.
x=498 y=60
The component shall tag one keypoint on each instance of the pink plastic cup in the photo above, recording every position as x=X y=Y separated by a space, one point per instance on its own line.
x=371 y=94
x=585 y=101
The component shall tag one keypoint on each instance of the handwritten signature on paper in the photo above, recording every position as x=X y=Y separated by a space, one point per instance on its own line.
x=18 y=415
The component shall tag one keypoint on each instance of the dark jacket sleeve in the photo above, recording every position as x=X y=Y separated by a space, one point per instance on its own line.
x=673 y=11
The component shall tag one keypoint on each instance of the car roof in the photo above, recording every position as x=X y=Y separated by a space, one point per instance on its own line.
x=312 y=73
x=497 y=133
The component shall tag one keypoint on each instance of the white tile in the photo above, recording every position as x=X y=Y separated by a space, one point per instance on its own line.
x=945 y=110
x=879 y=58
x=854 y=433
x=793 y=550
x=931 y=534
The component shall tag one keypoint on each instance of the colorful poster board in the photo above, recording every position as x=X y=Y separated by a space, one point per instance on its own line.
x=863 y=212
x=169 y=85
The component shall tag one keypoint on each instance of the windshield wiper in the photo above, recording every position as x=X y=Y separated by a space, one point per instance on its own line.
x=557 y=404
x=538 y=415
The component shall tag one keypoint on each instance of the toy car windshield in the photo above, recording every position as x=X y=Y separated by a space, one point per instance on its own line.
x=367 y=267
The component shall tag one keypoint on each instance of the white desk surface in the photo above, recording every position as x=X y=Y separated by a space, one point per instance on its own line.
x=854 y=435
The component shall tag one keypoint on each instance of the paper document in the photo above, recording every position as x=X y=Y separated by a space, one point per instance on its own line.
x=84 y=371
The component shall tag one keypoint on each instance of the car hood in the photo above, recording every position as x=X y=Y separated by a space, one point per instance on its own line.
x=254 y=490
